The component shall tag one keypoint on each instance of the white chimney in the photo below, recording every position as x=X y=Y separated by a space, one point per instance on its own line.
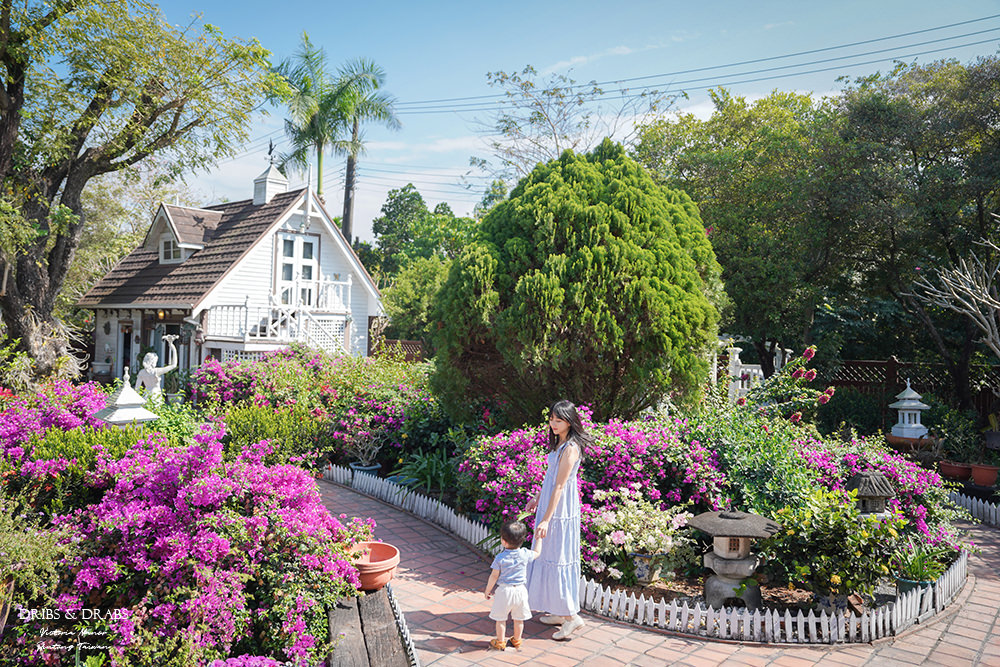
x=268 y=184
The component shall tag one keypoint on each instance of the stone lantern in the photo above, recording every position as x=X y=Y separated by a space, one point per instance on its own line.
x=125 y=407
x=873 y=490
x=730 y=557
x=909 y=407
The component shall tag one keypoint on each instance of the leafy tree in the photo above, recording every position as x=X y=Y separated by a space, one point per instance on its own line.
x=926 y=147
x=91 y=87
x=771 y=201
x=539 y=118
x=409 y=300
x=590 y=282
x=365 y=102
x=393 y=229
x=317 y=108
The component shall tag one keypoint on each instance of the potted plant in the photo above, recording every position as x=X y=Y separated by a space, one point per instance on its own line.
x=956 y=430
x=918 y=564
x=985 y=468
x=174 y=385
x=364 y=446
x=638 y=537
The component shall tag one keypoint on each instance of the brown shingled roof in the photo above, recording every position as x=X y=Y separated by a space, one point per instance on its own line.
x=194 y=225
x=140 y=280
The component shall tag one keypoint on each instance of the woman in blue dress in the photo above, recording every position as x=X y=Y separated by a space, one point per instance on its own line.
x=554 y=577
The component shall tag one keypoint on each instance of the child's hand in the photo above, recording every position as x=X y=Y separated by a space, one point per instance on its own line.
x=488 y=595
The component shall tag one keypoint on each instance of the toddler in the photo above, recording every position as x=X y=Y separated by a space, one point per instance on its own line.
x=510 y=575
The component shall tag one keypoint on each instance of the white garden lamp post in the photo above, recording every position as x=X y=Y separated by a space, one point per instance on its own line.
x=909 y=406
x=126 y=407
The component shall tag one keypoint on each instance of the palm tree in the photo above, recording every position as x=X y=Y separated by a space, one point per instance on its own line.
x=361 y=80
x=316 y=107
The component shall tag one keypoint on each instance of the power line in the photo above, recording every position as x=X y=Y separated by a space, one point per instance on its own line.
x=734 y=64
x=479 y=106
x=718 y=84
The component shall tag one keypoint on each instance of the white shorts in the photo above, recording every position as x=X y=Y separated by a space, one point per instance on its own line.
x=512 y=600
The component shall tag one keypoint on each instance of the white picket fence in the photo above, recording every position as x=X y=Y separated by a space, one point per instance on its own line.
x=985 y=512
x=771 y=626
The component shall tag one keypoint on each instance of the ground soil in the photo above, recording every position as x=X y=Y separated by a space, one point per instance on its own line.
x=693 y=588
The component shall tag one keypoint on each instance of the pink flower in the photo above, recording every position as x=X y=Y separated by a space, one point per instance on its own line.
x=742 y=400
x=618 y=537
x=799 y=372
x=810 y=375
x=823 y=399
x=809 y=352
x=796 y=417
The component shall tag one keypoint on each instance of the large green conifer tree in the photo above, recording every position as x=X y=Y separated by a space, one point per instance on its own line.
x=590 y=282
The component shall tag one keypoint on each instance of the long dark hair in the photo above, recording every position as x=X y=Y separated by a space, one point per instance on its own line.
x=566 y=411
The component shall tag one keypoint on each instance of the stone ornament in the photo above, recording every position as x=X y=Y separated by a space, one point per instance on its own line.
x=730 y=558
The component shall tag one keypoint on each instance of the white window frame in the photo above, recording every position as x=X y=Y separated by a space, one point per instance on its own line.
x=169 y=244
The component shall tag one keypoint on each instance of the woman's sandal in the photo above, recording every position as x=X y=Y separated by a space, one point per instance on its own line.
x=551 y=620
x=498 y=645
x=568 y=628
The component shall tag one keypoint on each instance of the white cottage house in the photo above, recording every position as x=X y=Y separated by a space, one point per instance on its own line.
x=234 y=280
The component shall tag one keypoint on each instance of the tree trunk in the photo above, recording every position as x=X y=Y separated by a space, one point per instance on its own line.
x=766 y=353
x=347 y=221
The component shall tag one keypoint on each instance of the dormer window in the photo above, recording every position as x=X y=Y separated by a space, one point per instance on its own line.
x=170 y=252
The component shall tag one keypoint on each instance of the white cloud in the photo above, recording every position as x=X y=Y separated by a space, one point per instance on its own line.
x=583 y=60
x=772 y=26
x=441 y=145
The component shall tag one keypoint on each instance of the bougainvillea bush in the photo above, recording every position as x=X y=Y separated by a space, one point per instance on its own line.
x=60 y=404
x=194 y=559
x=336 y=402
x=500 y=473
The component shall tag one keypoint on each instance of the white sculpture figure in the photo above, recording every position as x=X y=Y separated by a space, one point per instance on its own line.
x=149 y=377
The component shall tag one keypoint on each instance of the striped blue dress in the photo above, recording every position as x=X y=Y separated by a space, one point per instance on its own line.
x=554 y=577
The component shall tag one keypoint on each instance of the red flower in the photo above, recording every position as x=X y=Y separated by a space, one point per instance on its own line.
x=796 y=417
x=742 y=400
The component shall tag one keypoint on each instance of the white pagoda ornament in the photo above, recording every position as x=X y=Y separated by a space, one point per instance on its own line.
x=125 y=407
x=909 y=407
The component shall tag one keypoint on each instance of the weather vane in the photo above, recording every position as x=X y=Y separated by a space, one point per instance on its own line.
x=270 y=151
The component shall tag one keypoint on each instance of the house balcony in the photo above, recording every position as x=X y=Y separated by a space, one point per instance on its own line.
x=316 y=313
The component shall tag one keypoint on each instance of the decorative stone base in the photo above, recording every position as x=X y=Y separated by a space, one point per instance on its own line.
x=719 y=589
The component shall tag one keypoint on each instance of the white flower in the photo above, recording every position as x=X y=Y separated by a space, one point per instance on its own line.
x=616 y=574
x=598 y=566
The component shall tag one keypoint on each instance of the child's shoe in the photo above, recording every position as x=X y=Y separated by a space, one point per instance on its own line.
x=516 y=643
x=498 y=645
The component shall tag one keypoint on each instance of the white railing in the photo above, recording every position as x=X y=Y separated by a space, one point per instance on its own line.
x=332 y=296
x=279 y=324
x=769 y=626
x=981 y=510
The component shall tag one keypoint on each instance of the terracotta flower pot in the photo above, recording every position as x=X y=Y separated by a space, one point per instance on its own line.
x=984 y=475
x=955 y=470
x=377 y=564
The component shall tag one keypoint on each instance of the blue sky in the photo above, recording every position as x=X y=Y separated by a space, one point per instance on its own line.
x=443 y=50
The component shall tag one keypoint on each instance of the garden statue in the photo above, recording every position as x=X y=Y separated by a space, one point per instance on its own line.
x=149 y=377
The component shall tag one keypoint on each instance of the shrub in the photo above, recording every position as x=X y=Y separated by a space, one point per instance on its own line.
x=590 y=281
x=60 y=404
x=209 y=560
x=295 y=433
x=30 y=552
x=827 y=547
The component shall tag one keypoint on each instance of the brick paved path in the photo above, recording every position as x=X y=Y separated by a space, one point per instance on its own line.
x=439 y=587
